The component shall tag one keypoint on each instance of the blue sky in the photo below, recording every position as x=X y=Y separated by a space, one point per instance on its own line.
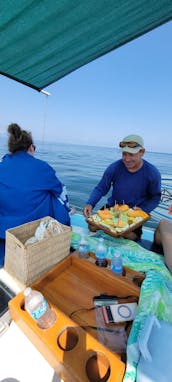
x=126 y=91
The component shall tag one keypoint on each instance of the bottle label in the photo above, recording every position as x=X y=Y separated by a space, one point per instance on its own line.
x=117 y=269
x=40 y=311
x=83 y=248
x=100 y=254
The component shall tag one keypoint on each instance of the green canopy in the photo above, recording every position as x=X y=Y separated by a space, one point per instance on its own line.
x=41 y=41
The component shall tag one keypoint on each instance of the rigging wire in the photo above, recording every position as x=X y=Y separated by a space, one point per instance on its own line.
x=47 y=94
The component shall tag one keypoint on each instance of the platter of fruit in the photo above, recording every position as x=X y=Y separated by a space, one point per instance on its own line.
x=118 y=220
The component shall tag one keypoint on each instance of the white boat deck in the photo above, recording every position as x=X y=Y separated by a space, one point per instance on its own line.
x=20 y=361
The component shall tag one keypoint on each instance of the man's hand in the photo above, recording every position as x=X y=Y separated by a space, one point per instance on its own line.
x=87 y=210
x=136 y=208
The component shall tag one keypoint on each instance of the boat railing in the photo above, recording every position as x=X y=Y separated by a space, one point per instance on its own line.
x=162 y=212
x=166 y=190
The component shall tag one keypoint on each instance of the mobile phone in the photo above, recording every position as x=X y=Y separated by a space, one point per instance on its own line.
x=119 y=312
x=104 y=299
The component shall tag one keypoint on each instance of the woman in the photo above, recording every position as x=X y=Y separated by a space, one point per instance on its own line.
x=163 y=239
x=29 y=188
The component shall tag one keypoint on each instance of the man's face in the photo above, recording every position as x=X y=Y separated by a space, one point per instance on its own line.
x=133 y=161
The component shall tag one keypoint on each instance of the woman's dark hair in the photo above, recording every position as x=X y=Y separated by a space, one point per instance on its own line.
x=19 y=140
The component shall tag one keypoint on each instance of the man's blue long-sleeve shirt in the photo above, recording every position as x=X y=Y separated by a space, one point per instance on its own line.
x=141 y=188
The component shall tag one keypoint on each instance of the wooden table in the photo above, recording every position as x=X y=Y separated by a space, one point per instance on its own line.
x=71 y=347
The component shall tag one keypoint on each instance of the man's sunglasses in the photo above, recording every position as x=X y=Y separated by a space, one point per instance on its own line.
x=34 y=147
x=132 y=145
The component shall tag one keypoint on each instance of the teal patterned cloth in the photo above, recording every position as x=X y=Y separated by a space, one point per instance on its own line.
x=156 y=290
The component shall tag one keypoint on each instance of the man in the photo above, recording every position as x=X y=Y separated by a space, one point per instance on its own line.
x=134 y=181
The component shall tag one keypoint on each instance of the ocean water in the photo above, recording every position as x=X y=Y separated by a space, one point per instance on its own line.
x=81 y=167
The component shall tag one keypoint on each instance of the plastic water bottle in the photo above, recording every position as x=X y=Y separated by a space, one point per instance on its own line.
x=101 y=254
x=38 y=308
x=83 y=250
x=116 y=264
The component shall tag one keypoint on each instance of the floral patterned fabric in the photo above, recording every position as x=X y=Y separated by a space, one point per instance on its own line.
x=156 y=290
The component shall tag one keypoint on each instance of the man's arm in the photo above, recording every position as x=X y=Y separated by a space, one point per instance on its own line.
x=102 y=188
x=154 y=193
x=151 y=203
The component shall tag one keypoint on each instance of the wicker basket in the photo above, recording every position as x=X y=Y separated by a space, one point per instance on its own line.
x=27 y=263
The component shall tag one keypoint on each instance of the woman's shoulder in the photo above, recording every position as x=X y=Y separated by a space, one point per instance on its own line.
x=41 y=164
